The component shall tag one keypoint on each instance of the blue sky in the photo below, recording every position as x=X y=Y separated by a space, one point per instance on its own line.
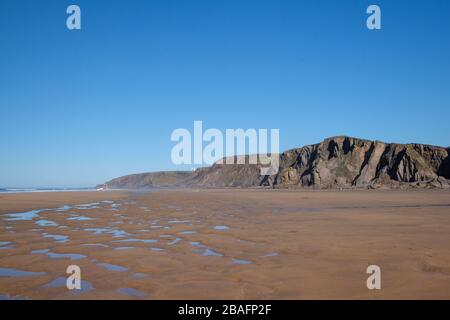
x=80 y=107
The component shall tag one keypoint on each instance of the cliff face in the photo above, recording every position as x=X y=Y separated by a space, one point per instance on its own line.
x=338 y=162
x=343 y=162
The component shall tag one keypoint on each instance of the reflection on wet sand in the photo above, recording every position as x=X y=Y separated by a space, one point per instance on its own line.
x=11 y=272
x=53 y=255
x=112 y=267
x=61 y=282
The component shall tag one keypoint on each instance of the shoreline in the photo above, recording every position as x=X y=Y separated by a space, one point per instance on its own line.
x=37 y=200
x=14 y=191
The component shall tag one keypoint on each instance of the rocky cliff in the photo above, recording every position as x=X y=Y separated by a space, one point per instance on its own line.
x=350 y=162
x=337 y=162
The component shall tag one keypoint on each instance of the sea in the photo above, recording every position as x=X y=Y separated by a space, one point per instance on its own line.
x=25 y=190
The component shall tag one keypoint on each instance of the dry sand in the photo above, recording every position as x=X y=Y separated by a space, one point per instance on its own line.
x=276 y=244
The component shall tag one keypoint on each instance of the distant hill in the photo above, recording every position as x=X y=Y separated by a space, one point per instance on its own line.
x=337 y=162
x=148 y=180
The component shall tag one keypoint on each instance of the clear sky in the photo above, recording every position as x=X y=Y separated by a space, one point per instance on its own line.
x=80 y=107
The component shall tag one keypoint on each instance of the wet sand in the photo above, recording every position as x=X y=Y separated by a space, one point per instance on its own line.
x=226 y=244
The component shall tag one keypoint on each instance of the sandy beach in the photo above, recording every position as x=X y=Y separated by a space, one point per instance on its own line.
x=225 y=244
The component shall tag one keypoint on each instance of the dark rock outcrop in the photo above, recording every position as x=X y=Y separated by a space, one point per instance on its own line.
x=337 y=162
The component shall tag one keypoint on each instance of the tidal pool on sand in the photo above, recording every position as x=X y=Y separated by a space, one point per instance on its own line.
x=112 y=267
x=10 y=272
x=131 y=292
x=61 y=282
